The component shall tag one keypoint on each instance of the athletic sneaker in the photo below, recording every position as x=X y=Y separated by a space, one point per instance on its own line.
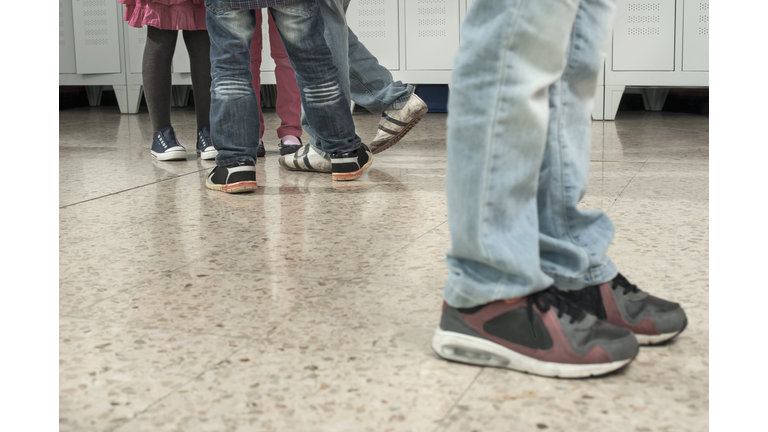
x=350 y=165
x=166 y=147
x=618 y=302
x=205 y=147
x=241 y=178
x=306 y=159
x=289 y=147
x=260 y=150
x=540 y=334
x=394 y=124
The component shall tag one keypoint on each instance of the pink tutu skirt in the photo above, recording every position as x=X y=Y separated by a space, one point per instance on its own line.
x=165 y=14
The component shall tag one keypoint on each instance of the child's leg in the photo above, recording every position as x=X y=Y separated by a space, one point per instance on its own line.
x=288 y=96
x=256 y=67
x=156 y=74
x=199 y=48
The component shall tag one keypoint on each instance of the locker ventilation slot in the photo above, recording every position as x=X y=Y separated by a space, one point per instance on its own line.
x=95 y=22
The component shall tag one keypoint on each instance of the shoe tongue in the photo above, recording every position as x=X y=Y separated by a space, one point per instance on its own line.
x=549 y=298
x=621 y=280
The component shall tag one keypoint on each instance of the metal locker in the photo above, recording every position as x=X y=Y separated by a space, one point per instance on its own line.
x=267 y=64
x=696 y=35
x=137 y=38
x=644 y=36
x=431 y=34
x=180 y=62
x=97 y=45
x=375 y=22
x=66 y=38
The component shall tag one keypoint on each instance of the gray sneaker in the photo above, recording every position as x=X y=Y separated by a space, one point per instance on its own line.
x=620 y=303
x=394 y=124
x=540 y=334
x=306 y=159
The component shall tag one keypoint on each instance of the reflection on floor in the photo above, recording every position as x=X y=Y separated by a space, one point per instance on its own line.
x=309 y=306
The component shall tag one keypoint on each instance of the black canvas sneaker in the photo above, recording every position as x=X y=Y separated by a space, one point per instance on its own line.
x=240 y=178
x=350 y=165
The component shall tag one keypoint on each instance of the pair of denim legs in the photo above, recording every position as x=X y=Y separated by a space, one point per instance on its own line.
x=288 y=104
x=324 y=89
x=363 y=80
x=518 y=144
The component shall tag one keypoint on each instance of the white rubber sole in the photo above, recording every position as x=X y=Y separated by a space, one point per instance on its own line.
x=170 y=155
x=655 y=339
x=208 y=155
x=468 y=349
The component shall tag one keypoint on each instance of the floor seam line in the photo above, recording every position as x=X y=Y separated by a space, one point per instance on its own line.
x=129 y=189
x=461 y=396
x=625 y=187
x=162 y=398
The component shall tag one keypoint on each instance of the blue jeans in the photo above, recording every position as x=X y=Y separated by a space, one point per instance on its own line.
x=518 y=150
x=234 y=111
x=362 y=78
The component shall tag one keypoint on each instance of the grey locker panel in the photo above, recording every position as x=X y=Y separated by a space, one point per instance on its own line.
x=375 y=22
x=66 y=38
x=696 y=35
x=431 y=34
x=644 y=36
x=97 y=45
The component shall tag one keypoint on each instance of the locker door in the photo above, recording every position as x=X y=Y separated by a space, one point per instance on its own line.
x=137 y=38
x=375 y=22
x=66 y=38
x=97 y=46
x=696 y=35
x=644 y=36
x=180 y=63
x=267 y=64
x=431 y=34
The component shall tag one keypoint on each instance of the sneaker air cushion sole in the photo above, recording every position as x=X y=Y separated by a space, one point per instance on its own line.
x=469 y=349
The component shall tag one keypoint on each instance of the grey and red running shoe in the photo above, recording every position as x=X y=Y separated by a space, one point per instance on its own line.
x=540 y=334
x=620 y=303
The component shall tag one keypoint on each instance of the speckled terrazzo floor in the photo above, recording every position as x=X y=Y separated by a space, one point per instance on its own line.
x=305 y=307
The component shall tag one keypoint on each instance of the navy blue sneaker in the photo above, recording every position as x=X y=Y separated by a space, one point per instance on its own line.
x=166 y=147
x=205 y=147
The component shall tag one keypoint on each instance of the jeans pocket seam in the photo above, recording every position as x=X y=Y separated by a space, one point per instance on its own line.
x=216 y=11
x=304 y=12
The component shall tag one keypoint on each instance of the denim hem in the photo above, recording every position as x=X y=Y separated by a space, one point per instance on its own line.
x=233 y=161
x=400 y=102
x=456 y=298
x=594 y=276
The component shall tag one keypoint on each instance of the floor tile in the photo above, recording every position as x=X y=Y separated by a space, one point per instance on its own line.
x=109 y=372
x=309 y=305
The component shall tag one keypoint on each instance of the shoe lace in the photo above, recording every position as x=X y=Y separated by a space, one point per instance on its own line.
x=624 y=283
x=545 y=299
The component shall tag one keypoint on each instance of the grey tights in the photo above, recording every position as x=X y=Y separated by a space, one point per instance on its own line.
x=156 y=73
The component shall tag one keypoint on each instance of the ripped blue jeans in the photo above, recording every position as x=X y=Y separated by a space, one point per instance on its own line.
x=234 y=110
